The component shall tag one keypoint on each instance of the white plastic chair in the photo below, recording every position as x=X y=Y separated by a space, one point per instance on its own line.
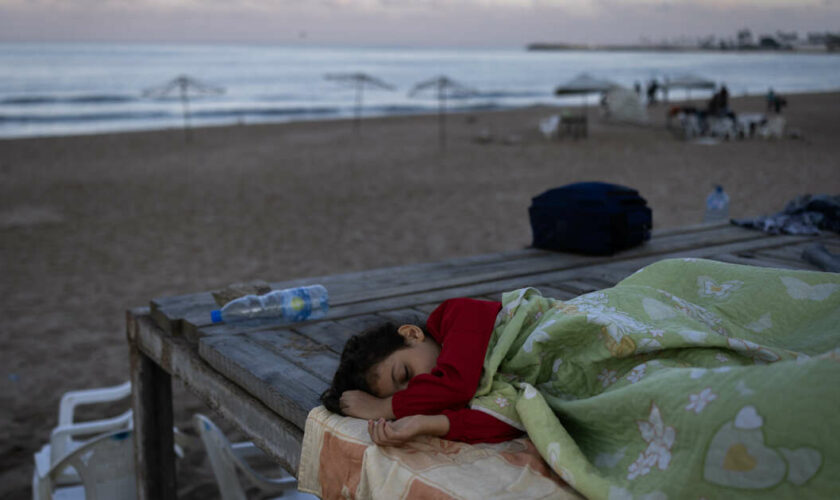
x=226 y=458
x=104 y=466
x=70 y=435
x=67 y=437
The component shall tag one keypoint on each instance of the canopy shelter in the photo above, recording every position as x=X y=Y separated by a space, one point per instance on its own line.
x=184 y=86
x=359 y=81
x=583 y=85
x=688 y=82
x=444 y=87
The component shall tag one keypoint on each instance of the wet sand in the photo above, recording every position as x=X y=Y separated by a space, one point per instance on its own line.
x=93 y=225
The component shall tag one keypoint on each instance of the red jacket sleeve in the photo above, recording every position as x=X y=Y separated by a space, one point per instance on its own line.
x=463 y=328
x=473 y=426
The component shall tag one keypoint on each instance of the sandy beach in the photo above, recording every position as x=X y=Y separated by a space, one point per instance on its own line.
x=93 y=225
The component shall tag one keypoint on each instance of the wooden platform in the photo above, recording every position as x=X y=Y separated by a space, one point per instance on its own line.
x=265 y=380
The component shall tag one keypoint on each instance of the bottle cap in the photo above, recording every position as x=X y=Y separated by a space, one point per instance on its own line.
x=216 y=316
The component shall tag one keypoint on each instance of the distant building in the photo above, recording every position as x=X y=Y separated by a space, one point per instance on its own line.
x=787 y=38
x=745 y=38
x=817 y=38
x=768 y=42
x=832 y=41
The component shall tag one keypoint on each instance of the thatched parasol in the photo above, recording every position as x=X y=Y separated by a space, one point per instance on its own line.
x=444 y=87
x=359 y=81
x=185 y=85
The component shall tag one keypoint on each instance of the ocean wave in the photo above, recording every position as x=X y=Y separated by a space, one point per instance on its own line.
x=501 y=94
x=83 y=117
x=83 y=99
x=265 y=112
x=235 y=113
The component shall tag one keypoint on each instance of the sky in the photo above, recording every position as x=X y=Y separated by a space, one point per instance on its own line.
x=479 y=23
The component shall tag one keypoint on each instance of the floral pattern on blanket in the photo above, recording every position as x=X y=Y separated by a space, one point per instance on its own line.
x=690 y=377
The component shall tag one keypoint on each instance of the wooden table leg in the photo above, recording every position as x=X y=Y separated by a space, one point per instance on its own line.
x=154 y=455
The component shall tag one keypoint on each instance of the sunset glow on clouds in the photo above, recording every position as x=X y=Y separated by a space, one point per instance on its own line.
x=409 y=22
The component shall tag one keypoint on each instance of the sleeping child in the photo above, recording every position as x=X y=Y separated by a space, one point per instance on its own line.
x=688 y=377
x=422 y=377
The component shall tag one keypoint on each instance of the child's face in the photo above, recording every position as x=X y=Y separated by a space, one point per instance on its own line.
x=393 y=373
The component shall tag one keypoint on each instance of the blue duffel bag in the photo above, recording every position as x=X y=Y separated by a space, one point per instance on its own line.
x=590 y=217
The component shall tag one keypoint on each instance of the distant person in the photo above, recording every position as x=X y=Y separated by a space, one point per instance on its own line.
x=637 y=86
x=713 y=107
x=771 y=99
x=653 y=86
x=723 y=100
x=778 y=103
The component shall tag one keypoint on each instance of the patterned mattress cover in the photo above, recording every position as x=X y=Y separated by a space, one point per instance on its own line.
x=339 y=460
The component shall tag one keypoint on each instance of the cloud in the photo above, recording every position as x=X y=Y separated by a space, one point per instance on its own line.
x=406 y=22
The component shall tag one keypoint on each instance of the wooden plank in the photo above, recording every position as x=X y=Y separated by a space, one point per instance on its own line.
x=504 y=271
x=405 y=316
x=427 y=308
x=362 y=322
x=276 y=381
x=381 y=283
x=280 y=439
x=312 y=357
x=610 y=274
x=551 y=278
x=579 y=285
x=328 y=333
x=168 y=311
x=689 y=228
x=751 y=261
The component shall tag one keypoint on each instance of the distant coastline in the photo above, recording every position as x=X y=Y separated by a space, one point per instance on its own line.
x=547 y=46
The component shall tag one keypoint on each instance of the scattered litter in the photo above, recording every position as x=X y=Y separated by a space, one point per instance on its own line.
x=548 y=126
x=484 y=137
x=805 y=214
x=706 y=141
x=512 y=140
x=26 y=216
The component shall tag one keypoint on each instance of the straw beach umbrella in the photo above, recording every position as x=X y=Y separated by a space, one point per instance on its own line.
x=443 y=87
x=185 y=86
x=359 y=81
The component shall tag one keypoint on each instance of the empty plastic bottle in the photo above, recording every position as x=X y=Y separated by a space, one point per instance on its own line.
x=717 y=206
x=289 y=306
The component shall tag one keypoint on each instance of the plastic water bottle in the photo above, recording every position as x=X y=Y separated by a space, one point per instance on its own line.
x=289 y=306
x=717 y=206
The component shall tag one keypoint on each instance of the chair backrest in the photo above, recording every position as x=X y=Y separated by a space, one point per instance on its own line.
x=220 y=452
x=105 y=466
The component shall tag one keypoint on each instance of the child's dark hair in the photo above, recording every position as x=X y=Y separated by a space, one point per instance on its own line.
x=361 y=352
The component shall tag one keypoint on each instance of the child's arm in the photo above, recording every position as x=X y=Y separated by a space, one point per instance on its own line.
x=398 y=432
x=466 y=425
x=360 y=404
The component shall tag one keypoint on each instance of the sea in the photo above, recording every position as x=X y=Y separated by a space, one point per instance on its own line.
x=49 y=89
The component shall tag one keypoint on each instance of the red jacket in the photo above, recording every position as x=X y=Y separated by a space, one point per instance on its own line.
x=462 y=327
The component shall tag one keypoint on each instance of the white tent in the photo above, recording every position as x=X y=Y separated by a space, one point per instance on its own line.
x=624 y=105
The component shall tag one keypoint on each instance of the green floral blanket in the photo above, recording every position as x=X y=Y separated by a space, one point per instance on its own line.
x=690 y=378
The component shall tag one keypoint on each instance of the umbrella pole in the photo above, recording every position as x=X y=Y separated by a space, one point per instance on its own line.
x=358 y=118
x=441 y=118
x=185 y=103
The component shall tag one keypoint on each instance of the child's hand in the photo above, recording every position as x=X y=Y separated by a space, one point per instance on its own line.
x=399 y=432
x=360 y=404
